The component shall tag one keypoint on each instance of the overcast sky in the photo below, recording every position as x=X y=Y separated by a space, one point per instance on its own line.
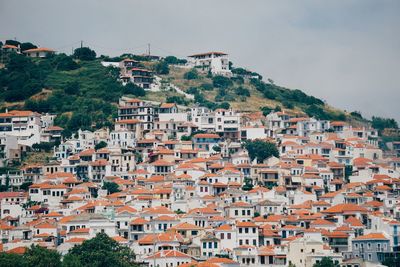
x=346 y=52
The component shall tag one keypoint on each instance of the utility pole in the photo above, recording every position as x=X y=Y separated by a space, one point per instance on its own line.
x=81 y=44
x=148 y=45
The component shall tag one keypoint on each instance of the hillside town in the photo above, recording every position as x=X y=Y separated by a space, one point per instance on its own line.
x=184 y=186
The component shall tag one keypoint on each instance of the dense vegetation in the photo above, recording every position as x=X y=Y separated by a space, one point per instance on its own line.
x=86 y=88
x=96 y=252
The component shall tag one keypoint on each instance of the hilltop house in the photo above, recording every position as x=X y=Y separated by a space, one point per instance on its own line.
x=216 y=62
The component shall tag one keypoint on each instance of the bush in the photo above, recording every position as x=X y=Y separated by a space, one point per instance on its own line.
x=207 y=86
x=266 y=110
x=162 y=68
x=224 y=105
x=191 y=75
x=176 y=99
x=72 y=88
x=317 y=112
x=242 y=91
x=192 y=90
x=133 y=89
x=174 y=60
x=356 y=114
x=64 y=62
x=288 y=104
x=221 y=81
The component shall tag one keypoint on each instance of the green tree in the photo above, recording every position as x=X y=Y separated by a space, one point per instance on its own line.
x=111 y=187
x=133 y=89
x=191 y=75
x=186 y=138
x=26 y=46
x=266 y=110
x=242 y=91
x=261 y=150
x=248 y=184
x=216 y=148
x=174 y=60
x=64 y=62
x=25 y=186
x=176 y=99
x=325 y=262
x=162 y=68
x=84 y=53
x=206 y=86
x=391 y=262
x=12 y=42
x=224 y=105
x=221 y=81
x=12 y=260
x=72 y=88
x=37 y=256
x=100 y=251
x=380 y=123
x=100 y=145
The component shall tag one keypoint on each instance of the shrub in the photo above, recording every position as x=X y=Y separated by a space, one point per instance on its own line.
x=191 y=75
x=192 y=90
x=207 y=86
x=242 y=91
x=72 y=88
x=64 y=62
x=176 y=99
x=133 y=89
x=162 y=68
x=174 y=60
x=221 y=81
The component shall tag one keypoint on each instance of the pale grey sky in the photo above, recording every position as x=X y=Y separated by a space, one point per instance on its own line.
x=345 y=52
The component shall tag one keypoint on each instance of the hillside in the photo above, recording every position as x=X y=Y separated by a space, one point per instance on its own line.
x=84 y=93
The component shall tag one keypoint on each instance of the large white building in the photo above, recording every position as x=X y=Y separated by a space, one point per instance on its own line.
x=224 y=122
x=216 y=62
